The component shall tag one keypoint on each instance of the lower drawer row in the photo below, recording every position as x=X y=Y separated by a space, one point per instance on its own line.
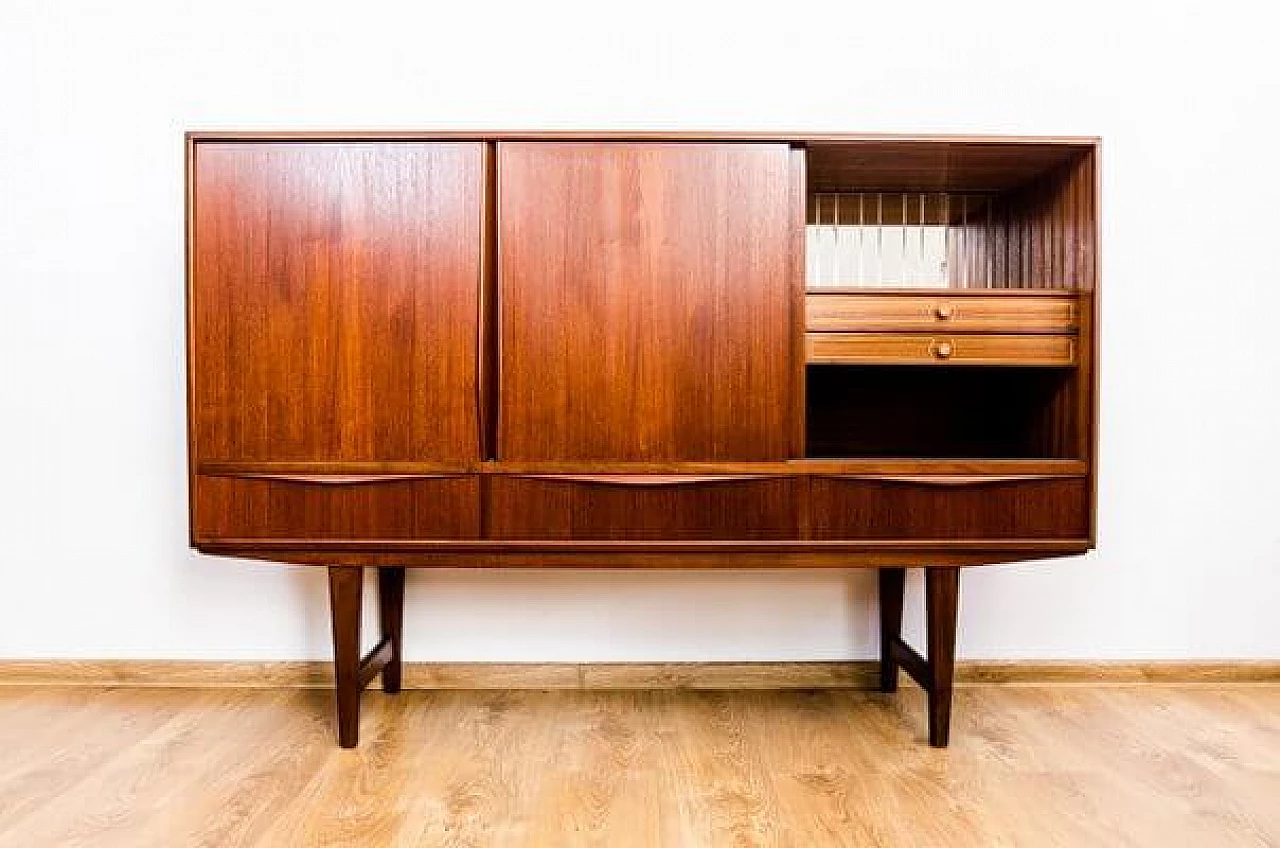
x=641 y=508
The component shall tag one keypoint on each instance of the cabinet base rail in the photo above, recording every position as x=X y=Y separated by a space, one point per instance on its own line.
x=353 y=672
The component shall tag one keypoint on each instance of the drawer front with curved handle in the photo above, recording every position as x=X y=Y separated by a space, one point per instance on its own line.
x=341 y=506
x=950 y=507
x=635 y=507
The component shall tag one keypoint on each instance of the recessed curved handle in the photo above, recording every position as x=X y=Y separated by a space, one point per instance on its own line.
x=642 y=480
x=338 y=479
x=950 y=479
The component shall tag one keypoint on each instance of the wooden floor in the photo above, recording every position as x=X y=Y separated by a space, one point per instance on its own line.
x=1142 y=765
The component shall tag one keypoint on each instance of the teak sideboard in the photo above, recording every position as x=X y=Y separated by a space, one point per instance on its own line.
x=641 y=350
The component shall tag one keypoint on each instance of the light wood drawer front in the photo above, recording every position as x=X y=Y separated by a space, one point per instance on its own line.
x=939 y=349
x=949 y=507
x=642 y=508
x=934 y=313
x=337 y=507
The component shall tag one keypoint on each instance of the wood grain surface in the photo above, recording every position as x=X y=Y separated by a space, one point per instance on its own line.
x=931 y=165
x=1039 y=766
x=373 y=507
x=600 y=508
x=646 y=300
x=892 y=508
x=1007 y=312
x=334 y=301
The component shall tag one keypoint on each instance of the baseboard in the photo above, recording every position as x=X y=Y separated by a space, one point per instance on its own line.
x=620 y=676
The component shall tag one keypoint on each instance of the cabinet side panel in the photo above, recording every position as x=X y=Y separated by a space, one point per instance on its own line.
x=646 y=296
x=335 y=300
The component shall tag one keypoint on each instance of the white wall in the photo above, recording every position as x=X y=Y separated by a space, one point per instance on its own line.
x=93 y=101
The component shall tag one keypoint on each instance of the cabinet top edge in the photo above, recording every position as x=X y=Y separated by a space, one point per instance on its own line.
x=636 y=135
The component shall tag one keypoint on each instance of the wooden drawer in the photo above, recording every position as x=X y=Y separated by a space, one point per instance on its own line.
x=337 y=507
x=926 y=349
x=961 y=313
x=629 y=507
x=949 y=507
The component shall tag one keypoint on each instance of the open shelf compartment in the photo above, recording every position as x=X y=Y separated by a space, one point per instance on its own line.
x=959 y=412
x=959 y=215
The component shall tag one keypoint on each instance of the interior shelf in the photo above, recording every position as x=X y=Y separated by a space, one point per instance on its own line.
x=956 y=412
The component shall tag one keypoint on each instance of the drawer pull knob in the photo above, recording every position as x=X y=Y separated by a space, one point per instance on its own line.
x=944 y=311
x=943 y=350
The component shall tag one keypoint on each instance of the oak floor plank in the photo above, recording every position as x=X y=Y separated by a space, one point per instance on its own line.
x=603 y=754
x=809 y=752
x=1028 y=766
x=338 y=805
x=237 y=803
x=52 y=740
x=728 y=795
x=127 y=799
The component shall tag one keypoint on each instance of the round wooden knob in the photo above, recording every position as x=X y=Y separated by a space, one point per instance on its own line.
x=943 y=350
x=944 y=311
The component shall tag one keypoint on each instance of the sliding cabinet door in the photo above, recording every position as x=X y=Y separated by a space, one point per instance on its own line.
x=646 y=297
x=335 y=300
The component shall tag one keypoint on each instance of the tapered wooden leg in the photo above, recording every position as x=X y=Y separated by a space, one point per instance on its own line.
x=345 y=585
x=892 y=583
x=391 y=611
x=942 y=590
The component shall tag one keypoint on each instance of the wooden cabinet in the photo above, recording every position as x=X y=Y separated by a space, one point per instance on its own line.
x=641 y=349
